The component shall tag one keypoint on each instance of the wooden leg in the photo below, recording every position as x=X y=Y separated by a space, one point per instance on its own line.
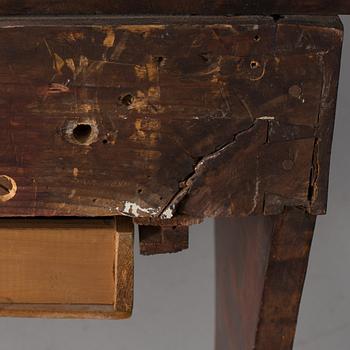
x=261 y=264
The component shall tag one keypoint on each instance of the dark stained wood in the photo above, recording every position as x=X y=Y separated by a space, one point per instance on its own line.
x=260 y=267
x=173 y=7
x=158 y=117
x=163 y=239
x=178 y=220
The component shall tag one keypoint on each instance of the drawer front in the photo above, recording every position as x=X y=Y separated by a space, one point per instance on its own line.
x=79 y=268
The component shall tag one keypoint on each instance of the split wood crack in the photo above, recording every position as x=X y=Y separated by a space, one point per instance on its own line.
x=186 y=184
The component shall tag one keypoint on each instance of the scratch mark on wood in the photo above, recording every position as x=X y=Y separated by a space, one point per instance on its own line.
x=109 y=39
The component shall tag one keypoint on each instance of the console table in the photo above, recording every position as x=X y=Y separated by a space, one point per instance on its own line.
x=160 y=114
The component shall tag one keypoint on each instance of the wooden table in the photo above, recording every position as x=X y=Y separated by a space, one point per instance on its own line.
x=163 y=114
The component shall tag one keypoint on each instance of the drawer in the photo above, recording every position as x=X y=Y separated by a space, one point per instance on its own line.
x=79 y=268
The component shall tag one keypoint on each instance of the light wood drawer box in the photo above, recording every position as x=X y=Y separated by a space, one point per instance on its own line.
x=66 y=267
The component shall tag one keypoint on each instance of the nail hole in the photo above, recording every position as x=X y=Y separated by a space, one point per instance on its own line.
x=8 y=188
x=139 y=190
x=105 y=141
x=205 y=56
x=276 y=18
x=127 y=100
x=159 y=59
x=254 y=64
x=257 y=37
x=82 y=133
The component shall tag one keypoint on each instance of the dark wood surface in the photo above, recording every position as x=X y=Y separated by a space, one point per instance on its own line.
x=260 y=269
x=163 y=239
x=156 y=117
x=173 y=7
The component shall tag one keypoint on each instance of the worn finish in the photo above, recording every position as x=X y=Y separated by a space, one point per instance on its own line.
x=124 y=274
x=173 y=7
x=108 y=116
x=167 y=120
x=163 y=239
x=80 y=268
x=261 y=266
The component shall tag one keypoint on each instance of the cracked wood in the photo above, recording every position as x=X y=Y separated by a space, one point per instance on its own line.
x=159 y=118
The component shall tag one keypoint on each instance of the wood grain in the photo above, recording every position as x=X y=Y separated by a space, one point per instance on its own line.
x=173 y=7
x=195 y=117
x=163 y=239
x=70 y=267
x=261 y=264
x=124 y=272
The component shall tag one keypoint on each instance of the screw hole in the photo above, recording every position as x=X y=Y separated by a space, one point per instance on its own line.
x=205 y=57
x=8 y=188
x=254 y=64
x=104 y=141
x=257 y=38
x=159 y=59
x=127 y=100
x=276 y=18
x=82 y=133
x=139 y=190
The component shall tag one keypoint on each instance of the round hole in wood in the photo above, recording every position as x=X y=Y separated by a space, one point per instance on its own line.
x=254 y=64
x=82 y=133
x=8 y=188
x=127 y=100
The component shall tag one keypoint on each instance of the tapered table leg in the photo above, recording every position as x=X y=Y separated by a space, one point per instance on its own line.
x=261 y=264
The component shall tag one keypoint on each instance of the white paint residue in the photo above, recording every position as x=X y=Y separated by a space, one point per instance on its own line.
x=256 y=196
x=266 y=117
x=135 y=210
x=168 y=214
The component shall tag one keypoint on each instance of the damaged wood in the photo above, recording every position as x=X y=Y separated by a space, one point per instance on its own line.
x=178 y=220
x=113 y=116
x=163 y=239
x=173 y=7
